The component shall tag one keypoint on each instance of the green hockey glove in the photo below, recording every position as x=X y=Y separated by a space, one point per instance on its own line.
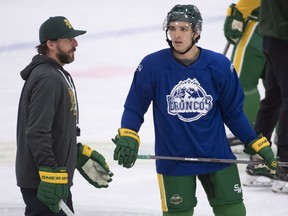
x=261 y=146
x=53 y=187
x=93 y=167
x=127 y=144
x=233 y=25
x=262 y=169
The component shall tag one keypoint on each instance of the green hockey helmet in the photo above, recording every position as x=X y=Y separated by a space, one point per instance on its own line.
x=185 y=13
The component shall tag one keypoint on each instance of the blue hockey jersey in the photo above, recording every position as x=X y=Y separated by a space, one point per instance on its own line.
x=191 y=104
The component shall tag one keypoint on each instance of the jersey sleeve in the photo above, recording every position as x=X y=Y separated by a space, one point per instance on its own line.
x=44 y=100
x=247 y=6
x=231 y=101
x=139 y=98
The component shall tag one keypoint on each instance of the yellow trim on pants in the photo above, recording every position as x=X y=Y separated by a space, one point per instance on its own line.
x=241 y=46
x=162 y=192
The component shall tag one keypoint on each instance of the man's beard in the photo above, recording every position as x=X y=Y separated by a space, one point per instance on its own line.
x=64 y=57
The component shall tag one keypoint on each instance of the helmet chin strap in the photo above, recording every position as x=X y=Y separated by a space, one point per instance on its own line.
x=178 y=52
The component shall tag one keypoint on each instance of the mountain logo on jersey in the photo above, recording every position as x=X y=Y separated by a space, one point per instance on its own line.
x=189 y=101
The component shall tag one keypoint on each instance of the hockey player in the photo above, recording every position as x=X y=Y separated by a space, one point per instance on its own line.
x=194 y=92
x=241 y=30
x=47 y=151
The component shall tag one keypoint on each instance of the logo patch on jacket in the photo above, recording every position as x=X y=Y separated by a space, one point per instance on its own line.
x=189 y=101
x=73 y=108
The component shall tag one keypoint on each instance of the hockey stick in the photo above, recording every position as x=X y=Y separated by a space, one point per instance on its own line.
x=226 y=48
x=65 y=208
x=209 y=160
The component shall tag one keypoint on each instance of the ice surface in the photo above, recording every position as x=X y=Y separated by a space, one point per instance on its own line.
x=120 y=33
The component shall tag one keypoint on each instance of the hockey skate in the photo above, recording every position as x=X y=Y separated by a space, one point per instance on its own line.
x=281 y=184
x=256 y=176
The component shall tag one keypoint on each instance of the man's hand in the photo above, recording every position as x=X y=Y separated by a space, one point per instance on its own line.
x=127 y=144
x=53 y=187
x=261 y=146
x=93 y=167
x=233 y=25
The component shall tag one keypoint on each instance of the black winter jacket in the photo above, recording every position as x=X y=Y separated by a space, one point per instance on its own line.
x=274 y=19
x=46 y=125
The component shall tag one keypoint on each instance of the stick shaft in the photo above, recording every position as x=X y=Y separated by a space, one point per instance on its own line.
x=209 y=160
x=65 y=208
x=226 y=48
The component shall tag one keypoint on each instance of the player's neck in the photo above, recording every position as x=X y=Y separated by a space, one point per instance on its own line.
x=190 y=57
